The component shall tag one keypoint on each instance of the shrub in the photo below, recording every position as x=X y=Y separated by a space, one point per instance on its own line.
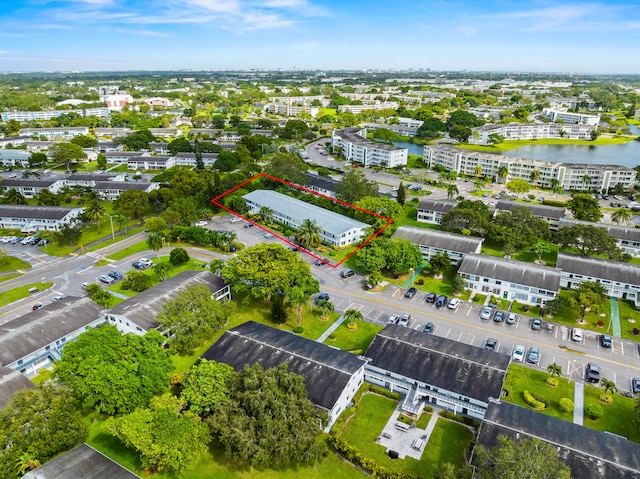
x=421 y=282
x=469 y=421
x=600 y=323
x=178 y=256
x=531 y=197
x=606 y=398
x=594 y=411
x=532 y=401
x=298 y=329
x=553 y=382
x=566 y=405
x=383 y=392
x=125 y=285
x=287 y=233
x=635 y=331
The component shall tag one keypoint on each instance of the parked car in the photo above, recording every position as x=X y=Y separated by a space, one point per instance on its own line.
x=405 y=319
x=268 y=235
x=592 y=373
x=411 y=292
x=536 y=324
x=499 y=316
x=138 y=265
x=322 y=297
x=202 y=224
x=441 y=302
x=511 y=318
x=318 y=262
x=393 y=319
x=26 y=241
x=428 y=328
x=57 y=298
x=248 y=225
x=486 y=313
x=43 y=242
x=115 y=275
x=577 y=334
x=518 y=353
x=145 y=261
x=606 y=341
x=534 y=356
x=235 y=219
x=347 y=273
x=490 y=344
x=635 y=385
x=431 y=298
x=106 y=279
x=36 y=306
x=454 y=304
x=84 y=286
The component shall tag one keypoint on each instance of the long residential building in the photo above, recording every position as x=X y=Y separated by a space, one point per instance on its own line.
x=627 y=237
x=534 y=131
x=30 y=219
x=355 y=147
x=569 y=176
x=337 y=229
x=551 y=214
x=432 y=242
x=64 y=133
x=556 y=115
x=100 y=112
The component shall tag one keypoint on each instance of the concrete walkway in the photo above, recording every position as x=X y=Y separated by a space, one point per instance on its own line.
x=615 y=318
x=415 y=274
x=578 y=404
x=323 y=337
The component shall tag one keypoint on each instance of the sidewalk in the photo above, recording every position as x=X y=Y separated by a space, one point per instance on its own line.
x=615 y=318
x=578 y=404
x=323 y=337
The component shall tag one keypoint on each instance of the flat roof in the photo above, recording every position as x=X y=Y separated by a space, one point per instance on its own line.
x=351 y=135
x=439 y=239
x=615 y=271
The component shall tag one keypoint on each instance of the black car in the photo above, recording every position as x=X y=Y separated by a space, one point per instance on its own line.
x=499 y=316
x=428 y=328
x=490 y=344
x=605 y=340
x=320 y=262
x=138 y=265
x=411 y=292
x=431 y=298
x=248 y=225
x=322 y=297
x=347 y=273
x=116 y=275
x=233 y=248
x=592 y=373
x=441 y=301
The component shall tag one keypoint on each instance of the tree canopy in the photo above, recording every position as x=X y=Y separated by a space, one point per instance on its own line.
x=279 y=429
x=584 y=207
x=205 y=386
x=589 y=240
x=519 y=228
x=394 y=255
x=288 y=167
x=354 y=186
x=113 y=372
x=588 y=296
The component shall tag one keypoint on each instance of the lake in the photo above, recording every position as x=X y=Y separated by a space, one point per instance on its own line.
x=627 y=154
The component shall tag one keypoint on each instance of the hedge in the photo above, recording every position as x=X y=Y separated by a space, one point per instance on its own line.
x=532 y=401
x=566 y=405
x=469 y=421
x=594 y=411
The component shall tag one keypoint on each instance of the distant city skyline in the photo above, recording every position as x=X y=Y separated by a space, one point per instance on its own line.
x=539 y=36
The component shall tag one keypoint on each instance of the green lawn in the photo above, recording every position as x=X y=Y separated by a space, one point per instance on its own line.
x=617 y=415
x=447 y=443
x=521 y=378
x=11 y=263
x=431 y=284
x=129 y=250
x=8 y=277
x=357 y=340
x=628 y=312
x=15 y=294
x=108 y=242
x=494 y=249
x=569 y=315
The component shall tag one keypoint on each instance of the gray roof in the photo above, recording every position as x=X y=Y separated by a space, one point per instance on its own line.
x=159 y=159
x=11 y=382
x=619 y=232
x=536 y=210
x=14 y=155
x=321 y=182
x=130 y=154
x=91 y=177
x=615 y=271
x=329 y=221
x=457 y=367
x=121 y=185
x=35 y=212
x=439 y=239
x=590 y=454
x=193 y=155
x=351 y=135
x=435 y=205
x=81 y=462
x=143 y=308
x=326 y=370
x=37 y=329
x=14 y=183
x=518 y=272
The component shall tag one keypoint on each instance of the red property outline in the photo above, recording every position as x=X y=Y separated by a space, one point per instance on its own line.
x=216 y=202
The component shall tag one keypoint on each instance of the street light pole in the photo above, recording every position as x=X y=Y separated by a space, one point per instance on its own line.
x=113 y=235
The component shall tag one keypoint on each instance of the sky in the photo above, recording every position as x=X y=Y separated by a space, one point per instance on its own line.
x=476 y=35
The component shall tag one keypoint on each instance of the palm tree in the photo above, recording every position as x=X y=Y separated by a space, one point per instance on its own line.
x=121 y=222
x=352 y=315
x=309 y=233
x=609 y=386
x=103 y=297
x=558 y=190
x=162 y=270
x=216 y=266
x=479 y=184
x=27 y=462
x=452 y=190
x=621 y=215
x=298 y=297
x=554 y=369
x=154 y=242
x=94 y=212
x=266 y=213
x=534 y=176
x=478 y=171
x=326 y=307
x=227 y=237
x=503 y=172
x=13 y=197
x=586 y=179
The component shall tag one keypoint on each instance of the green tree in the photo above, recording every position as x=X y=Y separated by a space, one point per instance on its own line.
x=554 y=370
x=353 y=317
x=535 y=175
x=621 y=215
x=379 y=205
x=584 y=208
x=268 y=269
x=288 y=167
x=372 y=257
x=155 y=224
x=37 y=160
x=309 y=233
x=401 y=195
x=113 y=372
x=205 y=386
x=66 y=153
x=101 y=161
x=178 y=256
x=609 y=387
x=540 y=248
x=518 y=185
x=84 y=141
x=166 y=436
x=589 y=296
x=460 y=133
x=457 y=284
x=589 y=240
x=452 y=191
x=280 y=430
x=266 y=214
x=503 y=173
x=326 y=307
x=401 y=256
x=36 y=425
x=193 y=317
x=138 y=280
x=138 y=141
x=299 y=295
x=46 y=198
x=68 y=234
x=586 y=179
x=354 y=186
x=279 y=313
x=102 y=297
x=162 y=270
x=94 y=212
x=179 y=145
x=439 y=262
x=27 y=462
x=154 y=242
x=13 y=197
x=525 y=459
x=131 y=203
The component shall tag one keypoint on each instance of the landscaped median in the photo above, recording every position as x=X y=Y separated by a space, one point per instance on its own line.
x=21 y=292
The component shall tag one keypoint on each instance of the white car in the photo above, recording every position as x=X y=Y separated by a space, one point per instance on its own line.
x=146 y=261
x=200 y=223
x=453 y=304
x=235 y=219
x=577 y=334
x=518 y=353
x=486 y=313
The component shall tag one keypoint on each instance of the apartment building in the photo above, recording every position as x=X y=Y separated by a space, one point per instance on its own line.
x=56 y=133
x=520 y=131
x=556 y=115
x=355 y=147
x=101 y=112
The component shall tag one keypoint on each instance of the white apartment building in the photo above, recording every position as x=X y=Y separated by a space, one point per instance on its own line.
x=30 y=219
x=523 y=131
x=56 y=133
x=101 y=112
x=355 y=109
x=356 y=147
x=569 y=175
x=556 y=115
x=432 y=242
x=30 y=188
x=290 y=110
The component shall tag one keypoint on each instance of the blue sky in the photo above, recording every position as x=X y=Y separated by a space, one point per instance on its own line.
x=548 y=36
